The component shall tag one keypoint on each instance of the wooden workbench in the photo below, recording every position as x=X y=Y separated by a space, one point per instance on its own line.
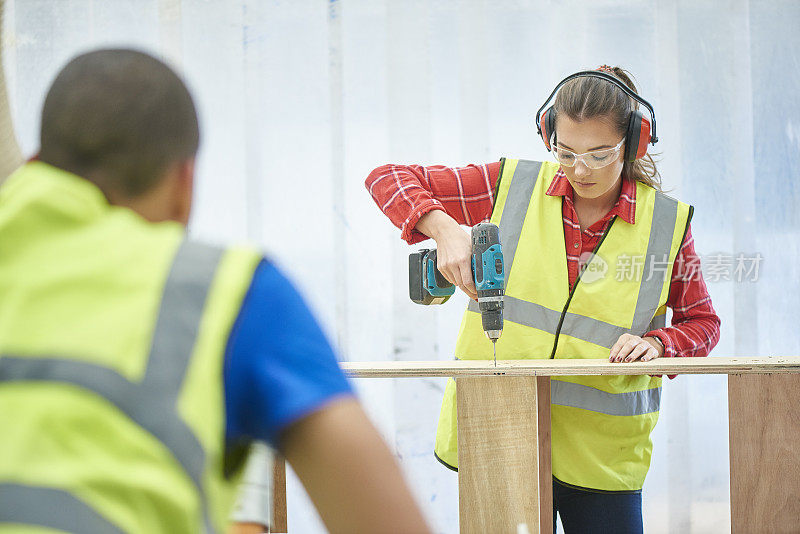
x=504 y=434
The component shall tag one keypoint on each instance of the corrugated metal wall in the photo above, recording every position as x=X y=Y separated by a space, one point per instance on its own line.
x=300 y=100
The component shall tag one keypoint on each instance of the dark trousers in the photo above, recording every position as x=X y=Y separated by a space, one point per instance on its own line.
x=584 y=511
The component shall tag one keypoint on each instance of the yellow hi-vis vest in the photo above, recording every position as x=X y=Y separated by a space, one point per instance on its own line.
x=600 y=424
x=112 y=337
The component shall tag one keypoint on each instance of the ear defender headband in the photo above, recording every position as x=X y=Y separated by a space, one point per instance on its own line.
x=638 y=134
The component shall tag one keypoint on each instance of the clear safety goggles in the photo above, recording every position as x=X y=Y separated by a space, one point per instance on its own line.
x=595 y=159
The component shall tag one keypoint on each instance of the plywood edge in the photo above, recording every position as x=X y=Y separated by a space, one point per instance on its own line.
x=566 y=367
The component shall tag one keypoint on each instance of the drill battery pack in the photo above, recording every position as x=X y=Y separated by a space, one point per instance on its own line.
x=426 y=285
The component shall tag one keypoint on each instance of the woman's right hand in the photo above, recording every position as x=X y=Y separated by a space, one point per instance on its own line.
x=453 y=249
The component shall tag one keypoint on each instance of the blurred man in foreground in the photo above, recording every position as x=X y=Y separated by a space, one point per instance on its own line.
x=136 y=365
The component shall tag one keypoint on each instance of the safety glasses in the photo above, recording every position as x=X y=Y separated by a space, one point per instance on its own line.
x=595 y=159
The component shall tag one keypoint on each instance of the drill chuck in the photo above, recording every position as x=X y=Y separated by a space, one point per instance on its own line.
x=492 y=321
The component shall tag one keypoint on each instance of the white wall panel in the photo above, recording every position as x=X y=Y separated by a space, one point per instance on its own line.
x=299 y=101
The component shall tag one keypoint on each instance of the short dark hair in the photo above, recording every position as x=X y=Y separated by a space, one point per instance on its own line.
x=118 y=118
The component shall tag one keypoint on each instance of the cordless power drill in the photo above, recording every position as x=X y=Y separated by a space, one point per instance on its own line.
x=426 y=285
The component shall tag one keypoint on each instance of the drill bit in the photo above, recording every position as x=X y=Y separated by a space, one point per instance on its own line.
x=494 y=347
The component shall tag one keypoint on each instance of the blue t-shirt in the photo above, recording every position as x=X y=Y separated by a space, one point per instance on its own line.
x=279 y=367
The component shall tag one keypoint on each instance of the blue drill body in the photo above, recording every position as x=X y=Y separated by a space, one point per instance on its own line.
x=428 y=286
x=488 y=272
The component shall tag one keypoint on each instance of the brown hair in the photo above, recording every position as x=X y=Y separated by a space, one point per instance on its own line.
x=588 y=97
x=118 y=118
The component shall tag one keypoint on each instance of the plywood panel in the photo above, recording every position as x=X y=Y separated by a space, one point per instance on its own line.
x=764 y=418
x=498 y=457
x=565 y=367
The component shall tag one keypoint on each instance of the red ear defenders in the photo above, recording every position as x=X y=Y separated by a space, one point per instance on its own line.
x=639 y=131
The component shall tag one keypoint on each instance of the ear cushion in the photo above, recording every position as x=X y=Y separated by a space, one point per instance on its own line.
x=547 y=124
x=637 y=136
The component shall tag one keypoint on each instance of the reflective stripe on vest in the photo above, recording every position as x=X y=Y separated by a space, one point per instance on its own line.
x=515 y=207
x=600 y=425
x=595 y=400
x=588 y=329
x=579 y=326
x=151 y=403
x=519 y=196
x=50 y=508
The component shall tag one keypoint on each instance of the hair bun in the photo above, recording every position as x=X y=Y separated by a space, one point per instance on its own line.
x=620 y=73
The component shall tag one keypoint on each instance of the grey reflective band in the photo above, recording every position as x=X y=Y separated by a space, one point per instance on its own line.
x=591 y=330
x=537 y=316
x=518 y=199
x=665 y=212
x=659 y=321
x=50 y=508
x=531 y=314
x=179 y=316
x=151 y=403
x=143 y=403
x=595 y=400
x=174 y=338
x=519 y=196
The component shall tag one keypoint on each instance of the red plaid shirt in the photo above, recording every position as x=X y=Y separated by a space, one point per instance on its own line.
x=407 y=192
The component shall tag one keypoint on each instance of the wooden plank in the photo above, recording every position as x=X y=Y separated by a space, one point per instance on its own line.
x=545 y=466
x=498 y=460
x=279 y=516
x=245 y=528
x=764 y=429
x=564 y=367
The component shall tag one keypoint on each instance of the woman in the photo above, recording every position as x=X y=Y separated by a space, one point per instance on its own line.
x=594 y=253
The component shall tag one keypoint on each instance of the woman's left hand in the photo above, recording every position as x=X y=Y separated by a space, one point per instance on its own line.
x=629 y=348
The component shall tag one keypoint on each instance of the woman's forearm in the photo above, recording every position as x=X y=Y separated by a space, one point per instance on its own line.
x=407 y=193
